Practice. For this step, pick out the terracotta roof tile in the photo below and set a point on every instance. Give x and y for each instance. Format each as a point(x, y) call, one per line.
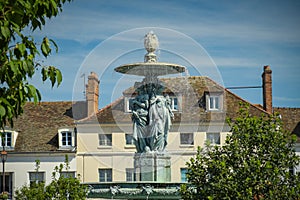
point(193, 90)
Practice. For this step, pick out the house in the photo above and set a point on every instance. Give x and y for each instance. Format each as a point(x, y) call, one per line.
point(99, 143)
point(46, 133)
point(105, 151)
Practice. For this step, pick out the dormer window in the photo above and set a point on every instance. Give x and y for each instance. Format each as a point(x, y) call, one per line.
point(174, 103)
point(8, 139)
point(214, 102)
point(66, 138)
point(128, 103)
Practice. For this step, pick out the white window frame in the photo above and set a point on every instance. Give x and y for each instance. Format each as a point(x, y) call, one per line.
point(66, 138)
point(130, 175)
point(132, 141)
point(214, 101)
point(13, 138)
point(175, 107)
point(60, 138)
point(43, 175)
point(175, 98)
point(210, 135)
point(182, 143)
point(106, 172)
point(127, 104)
point(105, 139)
point(68, 174)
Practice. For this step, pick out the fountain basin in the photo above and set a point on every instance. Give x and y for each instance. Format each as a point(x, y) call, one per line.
point(150, 69)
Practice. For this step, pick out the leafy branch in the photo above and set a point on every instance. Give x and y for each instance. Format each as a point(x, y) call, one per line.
point(18, 53)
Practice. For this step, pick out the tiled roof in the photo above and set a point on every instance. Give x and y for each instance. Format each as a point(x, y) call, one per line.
point(193, 90)
point(37, 127)
point(290, 119)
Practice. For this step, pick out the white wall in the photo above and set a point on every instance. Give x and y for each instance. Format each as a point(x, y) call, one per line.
point(21, 164)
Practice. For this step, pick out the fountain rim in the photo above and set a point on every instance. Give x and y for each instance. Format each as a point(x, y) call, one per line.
point(154, 68)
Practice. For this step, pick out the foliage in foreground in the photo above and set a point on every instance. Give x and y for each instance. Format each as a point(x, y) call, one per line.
point(62, 187)
point(253, 163)
point(19, 52)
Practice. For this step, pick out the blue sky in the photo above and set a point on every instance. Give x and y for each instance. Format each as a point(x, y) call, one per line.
point(239, 37)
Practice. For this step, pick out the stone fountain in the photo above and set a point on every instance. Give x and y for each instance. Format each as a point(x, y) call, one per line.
point(151, 114)
point(152, 119)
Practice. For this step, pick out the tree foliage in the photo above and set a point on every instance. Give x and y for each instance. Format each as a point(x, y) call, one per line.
point(253, 163)
point(18, 53)
point(61, 187)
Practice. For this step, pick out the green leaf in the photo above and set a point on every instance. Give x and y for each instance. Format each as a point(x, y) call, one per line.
point(5, 32)
point(58, 77)
point(44, 74)
point(14, 67)
point(45, 47)
point(2, 111)
point(34, 93)
point(22, 48)
point(52, 76)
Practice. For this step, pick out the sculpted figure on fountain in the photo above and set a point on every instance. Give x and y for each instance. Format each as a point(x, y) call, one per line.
point(151, 116)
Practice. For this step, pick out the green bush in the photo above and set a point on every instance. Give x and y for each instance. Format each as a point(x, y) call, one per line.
point(254, 163)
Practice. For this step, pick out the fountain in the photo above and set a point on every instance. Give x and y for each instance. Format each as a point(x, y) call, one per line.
point(151, 114)
point(151, 117)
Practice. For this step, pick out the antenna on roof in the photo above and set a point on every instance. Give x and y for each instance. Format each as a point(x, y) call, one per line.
point(84, 88)
point(244, 87)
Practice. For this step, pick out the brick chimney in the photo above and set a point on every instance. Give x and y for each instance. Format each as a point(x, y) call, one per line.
point(92, 93)
point(267, 89)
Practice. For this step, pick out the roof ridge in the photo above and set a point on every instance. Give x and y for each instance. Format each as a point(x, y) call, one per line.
point(109, 105)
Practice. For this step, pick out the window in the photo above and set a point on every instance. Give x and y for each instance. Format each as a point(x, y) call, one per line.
point(183, 172)
point(295, 170)
point(66, 138)
point(36, 177)
point(105, 175)
point(174, 102)
point(6, 137)
point(128, 103)
point(213, 138)
point(187, 138)
point(129, 139)
point(68, 174)
point(105, 139)
point(8, 184)
point(214, 102)
point(130, 175)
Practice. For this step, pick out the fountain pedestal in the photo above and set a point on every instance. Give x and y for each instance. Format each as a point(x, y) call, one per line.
point(152, 167)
